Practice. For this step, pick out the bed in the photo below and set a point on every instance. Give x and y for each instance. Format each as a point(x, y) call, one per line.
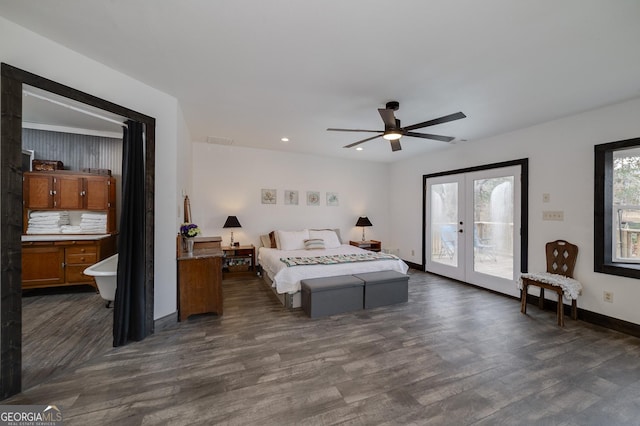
point(285, 280)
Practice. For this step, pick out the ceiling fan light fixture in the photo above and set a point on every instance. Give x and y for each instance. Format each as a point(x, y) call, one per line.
point(392, 135)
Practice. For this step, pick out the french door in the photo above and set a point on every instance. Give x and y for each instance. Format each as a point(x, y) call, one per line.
point(472, 230)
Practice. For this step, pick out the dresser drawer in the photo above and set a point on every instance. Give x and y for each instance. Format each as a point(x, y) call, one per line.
point(74, 275)
point(83, 259)
point(84, 249)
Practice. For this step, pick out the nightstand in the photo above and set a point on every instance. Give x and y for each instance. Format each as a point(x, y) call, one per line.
point(239, 261)
point(371, 245)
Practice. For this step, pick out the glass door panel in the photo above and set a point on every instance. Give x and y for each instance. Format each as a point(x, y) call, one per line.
point(473, 228)
point(444, 219)
point(444, 237)
point(493, 226)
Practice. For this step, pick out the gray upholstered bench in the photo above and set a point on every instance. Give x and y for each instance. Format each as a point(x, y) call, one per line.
point(332, 295)
point(384, 288)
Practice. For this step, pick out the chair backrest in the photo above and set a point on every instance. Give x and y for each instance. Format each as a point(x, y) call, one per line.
point(561, 257)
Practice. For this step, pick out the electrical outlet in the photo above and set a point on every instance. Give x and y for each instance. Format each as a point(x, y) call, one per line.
point(546, 198)
point(607, 296)
point(553, 215)
point(413, 252)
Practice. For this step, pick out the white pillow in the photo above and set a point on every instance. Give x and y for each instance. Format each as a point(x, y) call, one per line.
point(330, 238)
point(292, 240)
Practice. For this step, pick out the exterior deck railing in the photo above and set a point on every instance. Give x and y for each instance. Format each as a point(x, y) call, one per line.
point(487, 231)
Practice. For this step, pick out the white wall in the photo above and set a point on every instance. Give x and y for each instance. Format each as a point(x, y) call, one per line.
point(561, 163)
point(228, 180)
point(185, 165)
point(29, 51)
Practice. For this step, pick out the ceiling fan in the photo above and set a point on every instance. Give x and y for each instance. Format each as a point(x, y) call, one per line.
point(393, 131)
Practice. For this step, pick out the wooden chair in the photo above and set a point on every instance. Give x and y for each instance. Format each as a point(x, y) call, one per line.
point(561, 260)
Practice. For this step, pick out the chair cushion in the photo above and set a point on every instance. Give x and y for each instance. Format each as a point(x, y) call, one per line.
point(570, 288)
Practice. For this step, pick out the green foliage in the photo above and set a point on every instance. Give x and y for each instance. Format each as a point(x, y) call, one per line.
point(626, 181)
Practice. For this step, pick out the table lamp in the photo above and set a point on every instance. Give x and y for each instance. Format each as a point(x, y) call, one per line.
point(232, 222)
point(363, 221)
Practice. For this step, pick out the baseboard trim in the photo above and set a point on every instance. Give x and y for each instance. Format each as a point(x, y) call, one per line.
point(165, 322)
point(595, 318)
point(414, 265)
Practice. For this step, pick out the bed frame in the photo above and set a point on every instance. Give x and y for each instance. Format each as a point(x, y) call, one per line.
point(288, 300)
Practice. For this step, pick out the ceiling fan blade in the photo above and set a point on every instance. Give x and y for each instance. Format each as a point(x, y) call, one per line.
point(363, 140)
point(395, 145)
point(353, 130)
point(388, 117)
point(445, 119)
point(428, 136)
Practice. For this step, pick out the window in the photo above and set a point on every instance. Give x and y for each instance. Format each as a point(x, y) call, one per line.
point(617, 208)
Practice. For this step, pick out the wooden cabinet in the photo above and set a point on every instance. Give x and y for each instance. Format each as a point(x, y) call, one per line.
point(371, 245)
point(42, 265)
point(37, 191)
point(61, 263)
point(64, 190)
point(199, 284)
point(99, 192)
point(68, 192)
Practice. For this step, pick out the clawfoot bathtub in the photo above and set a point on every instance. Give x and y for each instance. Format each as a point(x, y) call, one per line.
point(105, 273)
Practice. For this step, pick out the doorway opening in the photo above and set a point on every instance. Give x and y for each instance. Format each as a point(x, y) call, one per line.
point(12, 84)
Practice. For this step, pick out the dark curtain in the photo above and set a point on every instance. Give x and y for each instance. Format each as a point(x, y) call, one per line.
point(129, 306)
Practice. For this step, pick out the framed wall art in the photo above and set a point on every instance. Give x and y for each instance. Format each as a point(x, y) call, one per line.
point(313, 198)
point(291, 197)
point(269, 196)
point(332, 199)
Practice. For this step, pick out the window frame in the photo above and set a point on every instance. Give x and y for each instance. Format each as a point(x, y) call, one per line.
point(603, 211)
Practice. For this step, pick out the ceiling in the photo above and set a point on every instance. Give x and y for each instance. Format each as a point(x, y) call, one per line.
point(55, 112)
point(257, 71)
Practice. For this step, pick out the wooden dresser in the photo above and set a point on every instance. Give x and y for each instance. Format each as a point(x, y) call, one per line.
point(200, 278)
point(54, 261)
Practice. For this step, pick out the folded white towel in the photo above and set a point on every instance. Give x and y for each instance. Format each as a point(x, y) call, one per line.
point(70, 229)
point(93, 215)
point(43, 231)
point(49, 213)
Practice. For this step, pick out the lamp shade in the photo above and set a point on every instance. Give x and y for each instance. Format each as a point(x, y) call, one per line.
point(232, 222)
point(363, 221)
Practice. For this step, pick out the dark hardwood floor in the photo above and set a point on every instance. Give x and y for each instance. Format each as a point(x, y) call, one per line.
point(62, 328)
point(453, 354)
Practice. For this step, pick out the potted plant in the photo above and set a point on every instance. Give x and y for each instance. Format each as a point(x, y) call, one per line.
point(188, 232)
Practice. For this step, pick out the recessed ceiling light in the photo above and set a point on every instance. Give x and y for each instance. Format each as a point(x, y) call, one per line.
point(359, 148)
point(284, 139)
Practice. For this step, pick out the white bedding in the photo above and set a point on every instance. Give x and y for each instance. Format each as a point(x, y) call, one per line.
point(287, 279)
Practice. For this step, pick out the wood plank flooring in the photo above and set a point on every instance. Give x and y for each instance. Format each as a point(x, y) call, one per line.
point(452, 355)
point(62, 328)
